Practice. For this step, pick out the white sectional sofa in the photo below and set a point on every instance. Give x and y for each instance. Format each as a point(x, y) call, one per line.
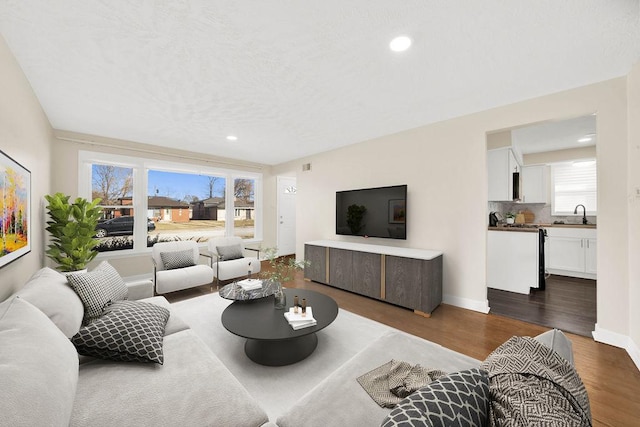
point(46, 383)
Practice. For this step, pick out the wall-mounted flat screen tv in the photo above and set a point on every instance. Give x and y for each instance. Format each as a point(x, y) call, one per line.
point(372, 212)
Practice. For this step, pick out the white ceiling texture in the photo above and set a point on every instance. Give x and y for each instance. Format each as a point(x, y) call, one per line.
point(294, 78)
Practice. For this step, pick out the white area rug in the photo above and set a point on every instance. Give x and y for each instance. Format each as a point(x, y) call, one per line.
point(278, 388)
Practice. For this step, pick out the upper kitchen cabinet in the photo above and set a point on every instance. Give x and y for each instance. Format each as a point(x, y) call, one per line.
point(535, 184)
point(501, 165)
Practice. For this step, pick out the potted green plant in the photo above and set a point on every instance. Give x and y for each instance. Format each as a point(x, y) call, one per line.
point(511, 217)
point(281, 270)
point(72, 227)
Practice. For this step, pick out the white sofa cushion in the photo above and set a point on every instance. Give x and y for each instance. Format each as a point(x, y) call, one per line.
point(193, 388)
point(50, 292)
point(38, 368)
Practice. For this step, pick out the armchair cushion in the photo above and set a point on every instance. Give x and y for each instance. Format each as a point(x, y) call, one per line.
point(127, 331)
point(230, 252)
point(98, 288)
point(177, 259)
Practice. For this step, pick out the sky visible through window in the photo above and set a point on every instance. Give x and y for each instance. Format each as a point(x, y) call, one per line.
point(184, 186)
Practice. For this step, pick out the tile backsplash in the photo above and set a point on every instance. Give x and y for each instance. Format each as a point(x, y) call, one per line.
point(542, 212)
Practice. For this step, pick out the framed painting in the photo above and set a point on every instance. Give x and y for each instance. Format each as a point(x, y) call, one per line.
point(397, 211)
point(15, 210)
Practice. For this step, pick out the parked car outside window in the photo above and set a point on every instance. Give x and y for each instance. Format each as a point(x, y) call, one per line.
point(120, 225)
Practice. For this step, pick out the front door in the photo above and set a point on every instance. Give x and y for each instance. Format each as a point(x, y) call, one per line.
point(286, 215)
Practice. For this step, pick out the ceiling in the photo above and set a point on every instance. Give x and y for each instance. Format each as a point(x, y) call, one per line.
point(555, 135)
point(295, 78)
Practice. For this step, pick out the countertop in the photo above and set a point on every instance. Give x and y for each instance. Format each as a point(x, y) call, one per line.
point(530, 229)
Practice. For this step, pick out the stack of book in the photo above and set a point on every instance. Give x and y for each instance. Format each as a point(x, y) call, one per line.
point(250, 284)
point(298, 320)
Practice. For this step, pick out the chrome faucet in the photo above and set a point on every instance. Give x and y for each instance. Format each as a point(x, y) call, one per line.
point(584, 213)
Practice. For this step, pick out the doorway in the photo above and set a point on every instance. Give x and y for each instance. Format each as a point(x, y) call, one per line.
point(286, 229)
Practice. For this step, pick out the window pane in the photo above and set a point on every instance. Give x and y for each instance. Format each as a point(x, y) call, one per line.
point(574, 184)
point(185, 206)
point(114, 186)
point(244, 208)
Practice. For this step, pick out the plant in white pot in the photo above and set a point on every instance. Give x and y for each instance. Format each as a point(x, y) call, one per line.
point(72, 227)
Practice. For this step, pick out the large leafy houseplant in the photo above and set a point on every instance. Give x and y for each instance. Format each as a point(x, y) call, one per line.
point(72, 227)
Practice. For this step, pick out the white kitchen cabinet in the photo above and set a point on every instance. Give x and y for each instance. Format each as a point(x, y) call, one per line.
point(501, 164)
point(512, 260)
point(591, 261)
point(535, 184)
point(571, 251)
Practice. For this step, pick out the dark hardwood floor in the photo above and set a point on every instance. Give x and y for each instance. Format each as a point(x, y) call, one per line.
point(610, 376)
point(567, 303)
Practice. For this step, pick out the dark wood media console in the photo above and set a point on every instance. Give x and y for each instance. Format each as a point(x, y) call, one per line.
point(410, 278)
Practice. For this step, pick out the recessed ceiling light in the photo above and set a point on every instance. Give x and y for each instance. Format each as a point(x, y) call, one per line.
point(232, 138)
point(400, 44)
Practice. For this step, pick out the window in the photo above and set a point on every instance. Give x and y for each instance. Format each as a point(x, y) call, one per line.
point(146, 201)
point(187, 206)
point(574, 184)
point(244, 204)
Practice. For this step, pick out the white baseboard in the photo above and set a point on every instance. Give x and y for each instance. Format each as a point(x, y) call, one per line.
point(469, 304)
point(618, 340)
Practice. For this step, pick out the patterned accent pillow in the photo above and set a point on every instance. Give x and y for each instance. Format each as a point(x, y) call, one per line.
point(227, 253)
point(177, 259)
point(458, 399)
point(97, 289)
point(130, 331)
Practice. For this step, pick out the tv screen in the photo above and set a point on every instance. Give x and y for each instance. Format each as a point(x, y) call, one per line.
point(372, 212)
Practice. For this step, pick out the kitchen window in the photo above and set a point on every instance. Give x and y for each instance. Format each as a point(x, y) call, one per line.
point(572, 184)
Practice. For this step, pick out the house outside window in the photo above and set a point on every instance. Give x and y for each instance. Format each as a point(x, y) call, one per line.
point(169, 201)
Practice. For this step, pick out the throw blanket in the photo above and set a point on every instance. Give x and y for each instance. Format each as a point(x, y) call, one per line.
point(530, 384)
point(390, 383)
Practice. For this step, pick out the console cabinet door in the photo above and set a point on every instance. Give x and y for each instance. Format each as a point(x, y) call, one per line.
point(403, 280)
point(341, 268)
point(317, 257)
point(367, 274)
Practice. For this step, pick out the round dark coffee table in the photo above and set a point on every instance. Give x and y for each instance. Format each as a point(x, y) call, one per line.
point(271, 340)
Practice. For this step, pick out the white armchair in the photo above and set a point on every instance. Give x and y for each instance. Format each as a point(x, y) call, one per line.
point(228, 259)
point(175, 267)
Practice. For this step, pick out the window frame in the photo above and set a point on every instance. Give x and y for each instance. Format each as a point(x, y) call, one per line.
point(141, 166)
point(554, 211)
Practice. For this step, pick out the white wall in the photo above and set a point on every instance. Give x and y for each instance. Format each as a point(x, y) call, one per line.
point(633, 93)
point(25, 135)
point(444, 165)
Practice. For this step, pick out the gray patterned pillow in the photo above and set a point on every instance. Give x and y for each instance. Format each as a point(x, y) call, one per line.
point(177, 259)
point(227, 253)
point(456, 400)
point(130, 331)
point(97, 289)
